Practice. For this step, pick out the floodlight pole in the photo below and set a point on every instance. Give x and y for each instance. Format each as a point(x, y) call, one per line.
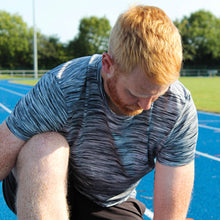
point(35, 44)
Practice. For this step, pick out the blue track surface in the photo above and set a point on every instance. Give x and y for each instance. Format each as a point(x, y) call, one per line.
point(205, 202)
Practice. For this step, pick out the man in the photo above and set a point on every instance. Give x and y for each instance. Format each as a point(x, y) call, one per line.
point(94, 126)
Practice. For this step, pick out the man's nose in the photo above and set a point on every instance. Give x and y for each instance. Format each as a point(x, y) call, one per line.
point(145, 103)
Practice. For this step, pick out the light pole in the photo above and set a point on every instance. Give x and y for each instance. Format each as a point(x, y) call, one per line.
point(35, 44)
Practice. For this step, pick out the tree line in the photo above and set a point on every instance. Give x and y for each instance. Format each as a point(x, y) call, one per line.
point(200, 36)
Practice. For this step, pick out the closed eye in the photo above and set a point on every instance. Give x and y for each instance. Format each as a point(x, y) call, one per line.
point(131, 95)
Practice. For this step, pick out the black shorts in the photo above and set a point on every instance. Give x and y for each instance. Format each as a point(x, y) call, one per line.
point(82, 208)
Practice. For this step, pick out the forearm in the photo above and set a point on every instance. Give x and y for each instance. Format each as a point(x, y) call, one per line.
point(172, 192)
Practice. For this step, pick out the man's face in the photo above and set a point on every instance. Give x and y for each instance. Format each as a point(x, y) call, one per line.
point(130, 94)
point(118, 103)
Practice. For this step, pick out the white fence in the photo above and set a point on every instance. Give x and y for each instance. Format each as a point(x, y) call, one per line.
point(184, 72)
point(22, 73)
point(200, 72)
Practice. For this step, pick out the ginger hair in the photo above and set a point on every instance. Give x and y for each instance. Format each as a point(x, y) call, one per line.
point(145, 37)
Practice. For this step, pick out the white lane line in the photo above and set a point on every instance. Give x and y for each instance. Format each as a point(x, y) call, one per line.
point(5, 108)
point(208, 156)
point(11, 91)
point(207, 121)
point(209, 113)
point(149, 213)
point(209, 127)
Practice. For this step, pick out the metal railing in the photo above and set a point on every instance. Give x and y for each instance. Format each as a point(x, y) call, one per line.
point(184, 72)
point(200, 72)
point(22, 73)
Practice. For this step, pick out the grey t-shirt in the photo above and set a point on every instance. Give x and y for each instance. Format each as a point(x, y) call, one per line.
point(109, 153)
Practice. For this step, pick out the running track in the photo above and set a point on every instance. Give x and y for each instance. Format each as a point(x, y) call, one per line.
point(205, 202)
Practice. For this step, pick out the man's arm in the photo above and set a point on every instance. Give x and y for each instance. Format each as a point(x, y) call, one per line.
point(172, 191)
point(10, 146)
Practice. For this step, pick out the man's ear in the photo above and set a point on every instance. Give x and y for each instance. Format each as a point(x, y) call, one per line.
point(107, 64)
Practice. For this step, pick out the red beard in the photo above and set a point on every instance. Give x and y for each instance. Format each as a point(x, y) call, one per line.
point(116, 103)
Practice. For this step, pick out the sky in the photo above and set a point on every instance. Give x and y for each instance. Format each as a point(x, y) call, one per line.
point(61, 18)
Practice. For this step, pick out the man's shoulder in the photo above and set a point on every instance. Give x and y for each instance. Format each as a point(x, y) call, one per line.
point(75, 68)
point(71, 69)
point(72, 72)
point(179, 90)
point(174, 103)
point(175, 98)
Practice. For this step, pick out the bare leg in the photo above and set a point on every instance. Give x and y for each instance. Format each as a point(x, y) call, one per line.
point(41, 172)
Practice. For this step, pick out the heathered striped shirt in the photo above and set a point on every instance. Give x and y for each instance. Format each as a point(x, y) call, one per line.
point(109, 153)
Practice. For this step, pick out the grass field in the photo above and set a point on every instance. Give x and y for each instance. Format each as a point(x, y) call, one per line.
point(205, 91)
point(26, 82)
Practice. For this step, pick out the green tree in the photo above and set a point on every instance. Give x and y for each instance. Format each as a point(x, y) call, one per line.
point(50, 52)
point(92, 38)
point(14, 41)
point(16, 45)
point(200, 35)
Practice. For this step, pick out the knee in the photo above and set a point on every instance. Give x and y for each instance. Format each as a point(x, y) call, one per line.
point(44, 151)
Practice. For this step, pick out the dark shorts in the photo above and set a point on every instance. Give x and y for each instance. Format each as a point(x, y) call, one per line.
point(82, 208)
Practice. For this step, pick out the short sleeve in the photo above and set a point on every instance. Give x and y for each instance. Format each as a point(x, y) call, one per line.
point(179, 147)
point(42, 109)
